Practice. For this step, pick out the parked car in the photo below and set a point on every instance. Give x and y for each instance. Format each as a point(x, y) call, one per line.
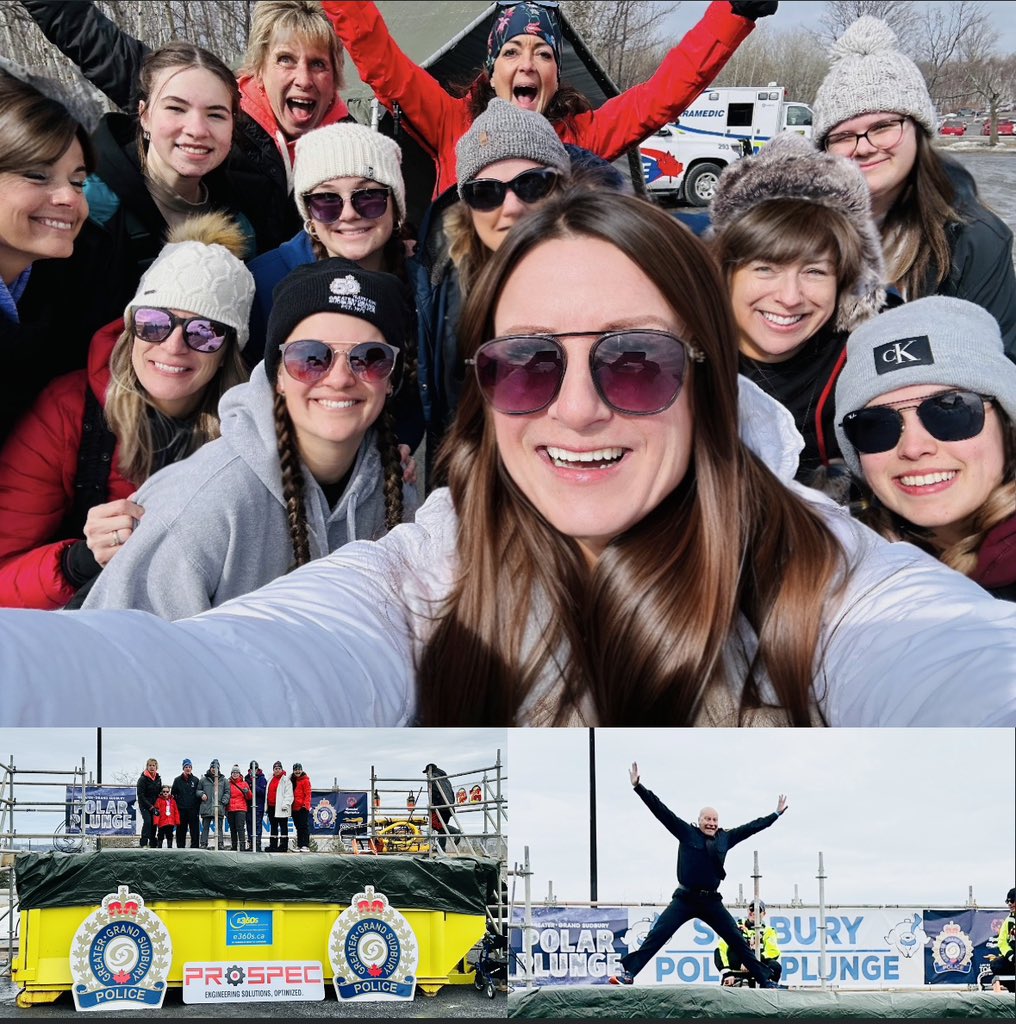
point(1006, 126)
point(953, 128)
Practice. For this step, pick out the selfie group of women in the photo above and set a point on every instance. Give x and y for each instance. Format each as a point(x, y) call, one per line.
point(762, 477)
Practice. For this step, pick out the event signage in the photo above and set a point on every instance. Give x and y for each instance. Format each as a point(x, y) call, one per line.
point(249, 928)
point(250, 980)
point(108, 810)
point(120, 956)
point(373, 951)
point(865, 947)
point(338, 812)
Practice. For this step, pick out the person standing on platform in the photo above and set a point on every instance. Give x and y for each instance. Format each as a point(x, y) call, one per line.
point(165, 818)
point(186, 793)
point(214, 791)
point(703, 848)
point(255, 779)
point(280, 804)
point(148, 788)
point(237, 803)
point(726, 959)
point(301, 807)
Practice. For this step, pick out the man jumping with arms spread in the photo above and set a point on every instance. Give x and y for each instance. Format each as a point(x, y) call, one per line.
point(700, 857)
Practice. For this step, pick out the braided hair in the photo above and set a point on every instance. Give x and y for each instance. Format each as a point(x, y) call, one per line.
point(391, 463)
point(292, 483)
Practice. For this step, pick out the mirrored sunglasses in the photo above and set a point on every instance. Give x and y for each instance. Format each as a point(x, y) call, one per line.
point(947, 416)
point(636, 373)
point(153, 324)
point(326, 207)
point(309, 361)
point(530, 186)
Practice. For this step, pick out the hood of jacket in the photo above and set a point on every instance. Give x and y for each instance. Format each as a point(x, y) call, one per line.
point(247, 422)
point(101, 348)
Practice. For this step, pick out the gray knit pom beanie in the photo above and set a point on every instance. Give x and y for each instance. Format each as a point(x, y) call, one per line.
point(790, 167)
point(934, 340)
point(870, 74)
point(507, 132)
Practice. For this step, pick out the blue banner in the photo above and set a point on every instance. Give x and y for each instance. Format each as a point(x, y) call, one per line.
point(570, 945)
point(959, 943)
point(108, 810)
point(352, 812)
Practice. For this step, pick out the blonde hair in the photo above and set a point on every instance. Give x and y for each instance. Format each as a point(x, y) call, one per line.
point(302, 18)
point(467, 252)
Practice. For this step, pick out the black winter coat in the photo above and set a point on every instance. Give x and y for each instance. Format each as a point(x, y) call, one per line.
point(148, 791)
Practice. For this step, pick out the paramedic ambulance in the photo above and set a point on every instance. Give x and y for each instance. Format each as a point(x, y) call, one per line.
point(683, 160)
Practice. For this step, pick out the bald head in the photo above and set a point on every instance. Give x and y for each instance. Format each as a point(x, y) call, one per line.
point(708, 820)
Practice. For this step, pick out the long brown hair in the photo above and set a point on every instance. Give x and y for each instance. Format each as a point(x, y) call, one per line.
point(915, 231)
point(640, 637)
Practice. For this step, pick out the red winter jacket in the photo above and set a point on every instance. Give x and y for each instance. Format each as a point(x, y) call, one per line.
point(38, 465)
point(239, 795)
point(166, 812)
point(301, 792)
point(438, 120)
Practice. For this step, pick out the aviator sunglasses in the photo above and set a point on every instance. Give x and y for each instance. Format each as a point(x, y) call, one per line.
point(326, 207)
point(309, 361)
point(153, 324)
point(637, 373)
point(947, 416)
point(530, 186)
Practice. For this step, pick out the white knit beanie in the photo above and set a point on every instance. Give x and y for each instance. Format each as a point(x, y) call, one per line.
point(206, 280)
point(347, 150)
point(869, 74)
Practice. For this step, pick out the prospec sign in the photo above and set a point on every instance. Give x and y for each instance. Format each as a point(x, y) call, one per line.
point(866, 947)
point(248, 980)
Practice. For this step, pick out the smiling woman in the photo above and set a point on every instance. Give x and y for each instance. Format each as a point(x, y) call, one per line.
point(620, 543)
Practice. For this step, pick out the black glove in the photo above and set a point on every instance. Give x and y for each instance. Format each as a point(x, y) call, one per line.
point(754, 9)
point(78, 564)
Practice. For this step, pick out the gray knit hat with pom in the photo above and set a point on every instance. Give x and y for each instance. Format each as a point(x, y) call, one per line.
point(507, 132)
point(790, 167)
point(870, 74)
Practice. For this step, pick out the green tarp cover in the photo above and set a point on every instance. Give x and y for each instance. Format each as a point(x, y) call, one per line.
point(582, 1002)
point(461, 885)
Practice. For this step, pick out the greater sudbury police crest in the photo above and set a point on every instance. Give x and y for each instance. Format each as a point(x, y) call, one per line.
point(373, 950)
point(325, 815)
point(120, 955)
point(952, 950)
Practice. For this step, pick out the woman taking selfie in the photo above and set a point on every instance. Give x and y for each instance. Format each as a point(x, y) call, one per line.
point(928, 403)
point(620, 543)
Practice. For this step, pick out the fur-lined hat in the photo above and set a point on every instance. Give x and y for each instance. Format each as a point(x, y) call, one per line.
point(790, 167)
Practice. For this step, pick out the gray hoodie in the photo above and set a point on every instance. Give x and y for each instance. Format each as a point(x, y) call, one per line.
point(215, 524)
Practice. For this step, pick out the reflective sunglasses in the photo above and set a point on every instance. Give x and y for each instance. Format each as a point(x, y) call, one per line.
point(882, 136)
point(326, 207)
point(530, 186)
point(948, 416)
point(636, 373)
point(309, 361)
point(153, 324)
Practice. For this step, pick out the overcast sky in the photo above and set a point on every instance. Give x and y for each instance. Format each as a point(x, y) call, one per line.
point(901, 815)
point(326, 754)
point(808, 14)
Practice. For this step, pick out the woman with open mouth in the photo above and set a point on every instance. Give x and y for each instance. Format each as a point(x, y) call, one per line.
point(149, 397)
point(793, 233)
point(928, 403)
point(523, 66)
point(874, 108)
point(621, 542)
point(307, 460)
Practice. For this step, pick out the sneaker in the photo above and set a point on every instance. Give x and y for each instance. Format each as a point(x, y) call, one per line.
point(304, 849)
point(624, 978)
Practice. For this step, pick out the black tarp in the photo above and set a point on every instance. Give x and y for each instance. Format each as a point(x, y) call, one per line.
point(460, 885)
point(669, 1002)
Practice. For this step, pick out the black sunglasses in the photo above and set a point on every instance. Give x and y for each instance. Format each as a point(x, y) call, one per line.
point(636, 373)
point(326, 207)
point(530, 186)
point(947, 416)
point(153, 325)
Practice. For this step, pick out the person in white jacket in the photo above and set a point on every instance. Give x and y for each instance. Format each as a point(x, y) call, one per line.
point(620, 543)
point(307, 460)
point(279, 804)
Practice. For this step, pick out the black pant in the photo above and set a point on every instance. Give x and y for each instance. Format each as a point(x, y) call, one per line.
point(684, 906)
point(301, 821)
point(279, 840)
point(165, 834)
point(148, 827)
point(188, 822)
point(734, 964)
point(236, 829)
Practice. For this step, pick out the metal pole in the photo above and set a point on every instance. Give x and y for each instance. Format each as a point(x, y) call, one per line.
point(821, 921)
point(527, 921)
point(756, 941)
point(593, 887)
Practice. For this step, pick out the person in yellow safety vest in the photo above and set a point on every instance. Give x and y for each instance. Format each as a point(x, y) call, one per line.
point(1004, 964)
point(769, 952)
